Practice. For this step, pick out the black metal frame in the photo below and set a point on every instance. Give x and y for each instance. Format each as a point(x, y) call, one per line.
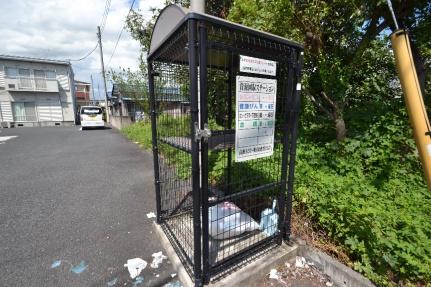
point(193, 44)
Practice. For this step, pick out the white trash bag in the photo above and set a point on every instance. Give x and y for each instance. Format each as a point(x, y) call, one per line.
point(227, 220)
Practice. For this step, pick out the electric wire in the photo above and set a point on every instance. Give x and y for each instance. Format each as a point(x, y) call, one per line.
point(119, 35)
point(105, 15)
point(102, 24)
point(86, 56)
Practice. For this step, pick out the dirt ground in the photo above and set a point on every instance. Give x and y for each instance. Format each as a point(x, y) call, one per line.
point(297, 273)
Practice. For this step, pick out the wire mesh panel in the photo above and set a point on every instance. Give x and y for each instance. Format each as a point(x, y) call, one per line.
point(246, 199)
point(222, 134)
point(172, 142)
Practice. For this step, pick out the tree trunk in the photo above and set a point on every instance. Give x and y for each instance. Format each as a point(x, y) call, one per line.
point(340, 128)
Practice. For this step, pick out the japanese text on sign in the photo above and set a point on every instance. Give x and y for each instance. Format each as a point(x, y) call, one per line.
point(257, 66)
point(255, 117)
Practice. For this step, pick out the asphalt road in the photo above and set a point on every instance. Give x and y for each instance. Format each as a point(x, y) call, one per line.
point(71, 198)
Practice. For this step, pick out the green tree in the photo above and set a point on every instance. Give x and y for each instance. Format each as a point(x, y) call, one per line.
point(132, 84)
point(336, 34)
point(362, 190)
point(141, 30)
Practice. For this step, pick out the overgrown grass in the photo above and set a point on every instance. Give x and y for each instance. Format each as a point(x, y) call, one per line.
point(139, 132)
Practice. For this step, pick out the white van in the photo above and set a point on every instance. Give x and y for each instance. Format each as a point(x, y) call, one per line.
point(91, 116)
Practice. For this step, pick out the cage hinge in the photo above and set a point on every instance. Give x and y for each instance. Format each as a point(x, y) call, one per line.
point(202, 134)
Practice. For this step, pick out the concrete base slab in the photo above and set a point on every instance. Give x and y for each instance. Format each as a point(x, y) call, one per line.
point(245, 276)
point(339, 273)
point(251, 273)
point(173, 257)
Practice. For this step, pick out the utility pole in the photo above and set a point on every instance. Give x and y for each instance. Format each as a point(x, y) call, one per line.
point(412, 95)
point(99, 36)
point(197, 5)
point(92, 87)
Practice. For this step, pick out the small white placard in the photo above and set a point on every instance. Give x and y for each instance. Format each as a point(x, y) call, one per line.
point(257, 66)
point(255, 117)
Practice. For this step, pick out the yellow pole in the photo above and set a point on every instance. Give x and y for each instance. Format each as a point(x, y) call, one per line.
point(413, 98)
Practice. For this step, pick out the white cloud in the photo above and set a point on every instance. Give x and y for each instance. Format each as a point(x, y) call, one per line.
point(64, 29)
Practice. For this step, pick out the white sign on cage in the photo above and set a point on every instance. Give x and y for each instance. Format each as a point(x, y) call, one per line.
point(257, 66)
point(255, 117)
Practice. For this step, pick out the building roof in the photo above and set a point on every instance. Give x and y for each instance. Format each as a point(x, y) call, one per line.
point(36, 60)
point(81, 83)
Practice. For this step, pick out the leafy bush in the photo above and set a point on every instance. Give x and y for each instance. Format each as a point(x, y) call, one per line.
point(369, 194)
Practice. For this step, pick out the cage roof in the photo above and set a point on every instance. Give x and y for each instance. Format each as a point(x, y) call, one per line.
point(172, 16)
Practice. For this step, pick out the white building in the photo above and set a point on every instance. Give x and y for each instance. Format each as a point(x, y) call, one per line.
point(36, 92)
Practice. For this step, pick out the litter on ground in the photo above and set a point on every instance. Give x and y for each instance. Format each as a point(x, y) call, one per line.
point(78, 269)
point(273, 274)
point(173, 284)
point(289, 275)
point(300, 262)
point(112, 282)
point(135, 266)
point(138, 281)
point(56, 264)
point(157, 259)
point(151, 215)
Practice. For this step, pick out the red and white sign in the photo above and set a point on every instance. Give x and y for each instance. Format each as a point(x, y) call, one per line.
point(257, 66)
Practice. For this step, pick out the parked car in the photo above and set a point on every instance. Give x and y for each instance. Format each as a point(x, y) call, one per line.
point(91, 116)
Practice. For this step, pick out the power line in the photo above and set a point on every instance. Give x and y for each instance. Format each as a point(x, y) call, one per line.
point(86, 56)
point(105, 15)
point(119, 35)
point(103, 23)
point(105, 12)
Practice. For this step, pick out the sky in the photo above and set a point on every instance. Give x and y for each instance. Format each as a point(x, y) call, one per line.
point(65, 29)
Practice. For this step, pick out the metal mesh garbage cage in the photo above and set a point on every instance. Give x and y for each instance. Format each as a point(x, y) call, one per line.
point(225, 101)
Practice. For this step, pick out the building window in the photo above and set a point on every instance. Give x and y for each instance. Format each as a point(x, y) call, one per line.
point(24, 78)
point(39, 74)
point(24, 111)
point(81, 88)
point(11, 72)
point(50, 74)
point(39, 79)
